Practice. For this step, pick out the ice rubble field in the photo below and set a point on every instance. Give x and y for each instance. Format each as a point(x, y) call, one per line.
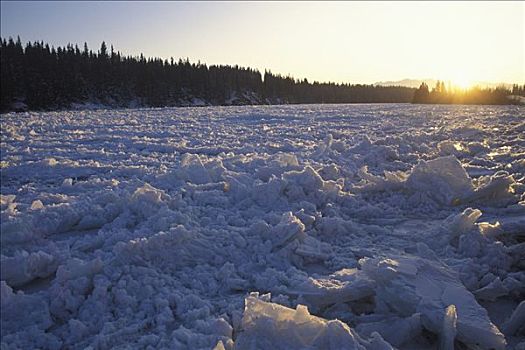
point(285, 227)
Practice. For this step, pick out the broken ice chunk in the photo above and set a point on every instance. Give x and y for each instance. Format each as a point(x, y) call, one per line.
point(516, 320)
point(449, 147)
point(498, 190)
point(267, 325)
point(492, 291)
point(75, 268)
point(193, 170)
point(458, 224)
point(37, 205)
point(403, 332)
point(146, 200)
point(312, 249)
point(24, 267)
point(444, 179)
point(343, 286)
point(448, 332)
point(490, 230)
point(288, 229)
point(21, 311)
point(410, 284)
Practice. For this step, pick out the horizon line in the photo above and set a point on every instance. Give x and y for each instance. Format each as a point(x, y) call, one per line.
point(287, 75)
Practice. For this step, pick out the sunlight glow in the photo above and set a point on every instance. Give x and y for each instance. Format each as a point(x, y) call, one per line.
point(462, 82)
point(364, 42)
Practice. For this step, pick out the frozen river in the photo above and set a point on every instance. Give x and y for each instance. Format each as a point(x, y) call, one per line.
point(268, 227)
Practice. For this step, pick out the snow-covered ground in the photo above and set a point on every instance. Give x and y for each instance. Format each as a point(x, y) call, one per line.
point(282, 227)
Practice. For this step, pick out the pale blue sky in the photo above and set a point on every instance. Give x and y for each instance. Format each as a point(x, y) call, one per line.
point(337, 41)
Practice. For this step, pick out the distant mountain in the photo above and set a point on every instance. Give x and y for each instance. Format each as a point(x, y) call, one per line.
point(415, 83)
point(485, 84)
point(412, 83)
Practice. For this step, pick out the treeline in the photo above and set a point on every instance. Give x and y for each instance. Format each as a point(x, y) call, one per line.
point(36, 76)
point(474, 95)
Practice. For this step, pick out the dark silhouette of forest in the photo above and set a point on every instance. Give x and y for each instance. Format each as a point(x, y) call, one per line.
point(474, 95)
point(36, 76)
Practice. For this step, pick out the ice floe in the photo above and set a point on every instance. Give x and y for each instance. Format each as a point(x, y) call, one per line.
point(306, 226)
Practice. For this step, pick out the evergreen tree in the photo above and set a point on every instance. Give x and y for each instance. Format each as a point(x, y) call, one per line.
point(421, 95)
point(103, 51)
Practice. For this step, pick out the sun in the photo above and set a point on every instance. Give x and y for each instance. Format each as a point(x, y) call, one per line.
point(462, 82)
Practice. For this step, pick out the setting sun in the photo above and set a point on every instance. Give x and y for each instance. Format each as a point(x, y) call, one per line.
point(462, 82)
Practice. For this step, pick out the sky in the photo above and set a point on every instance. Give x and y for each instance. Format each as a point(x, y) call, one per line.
point(354, 42)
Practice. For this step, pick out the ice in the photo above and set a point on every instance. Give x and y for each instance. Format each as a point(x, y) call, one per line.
point(459, 224)
point(497, 189)
point(309, 185)
point(36, 205)
point(449, 147)
point(313, 250)
point(288, 229)
point(267, 325)
point(409, 285)
point(443, 179)
point(8, 202)
point(448, 332)
point(76, 268)
point(148, 228)
point(344, 286)
point(403, 333)
point(147, 200)
point(25, 319)
point(492, 291)
point(516, 320)
point(25, 267)
point(193, 170)
point(490, 230)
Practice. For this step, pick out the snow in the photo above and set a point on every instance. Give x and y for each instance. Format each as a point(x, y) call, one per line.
point(269, 227)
